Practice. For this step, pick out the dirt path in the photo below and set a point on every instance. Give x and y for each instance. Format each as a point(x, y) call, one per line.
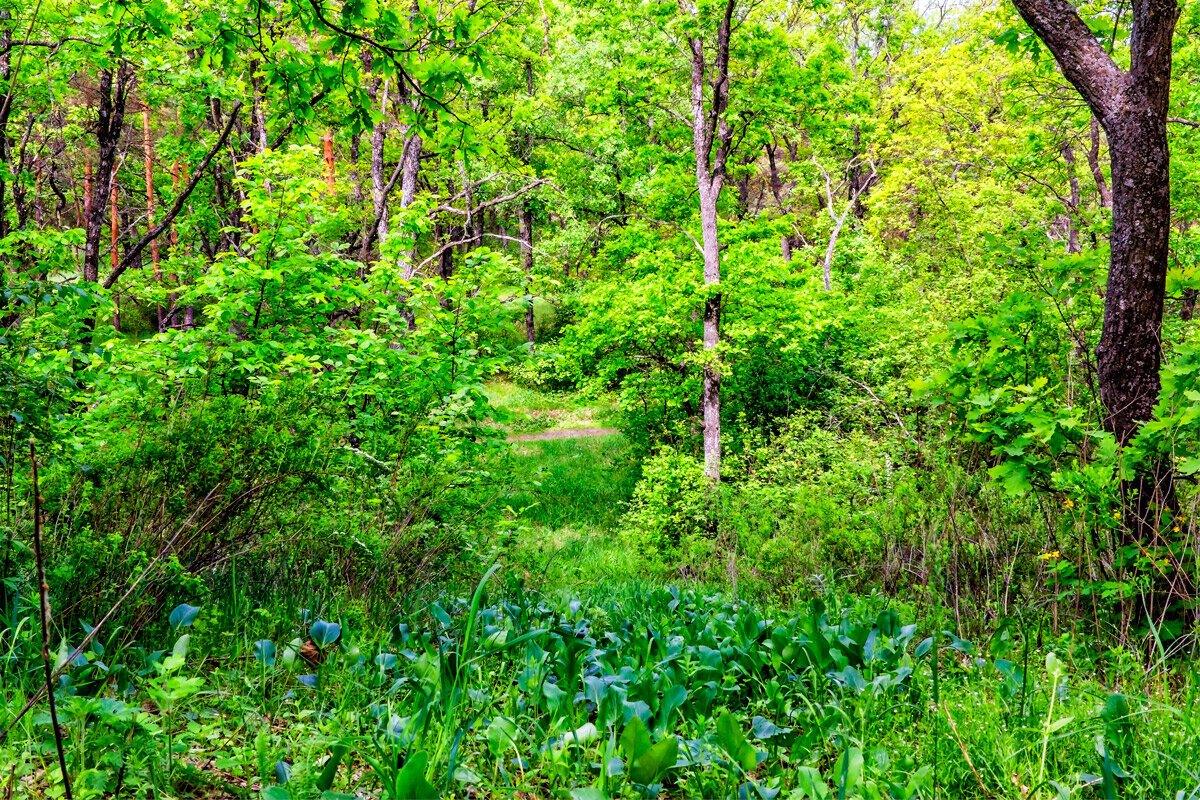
point(564, 433)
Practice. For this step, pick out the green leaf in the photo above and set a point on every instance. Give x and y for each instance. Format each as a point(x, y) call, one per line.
point(264, 651)
point(324, 633)
point(1059, 724)
point(809, 784)
point(183, 615)
point(588, 793)
point(730, 737)
point(411, 783)
point(651, 765)
point(329, 771)
point(501, 734)
point(635, 740)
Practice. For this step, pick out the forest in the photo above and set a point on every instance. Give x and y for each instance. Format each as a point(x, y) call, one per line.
point(758, 399)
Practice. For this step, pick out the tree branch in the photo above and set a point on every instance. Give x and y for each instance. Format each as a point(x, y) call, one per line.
point(157, 230)
point(1081, 57)
point(497, 201)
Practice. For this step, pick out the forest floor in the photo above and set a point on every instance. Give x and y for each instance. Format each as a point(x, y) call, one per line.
point(526, 411)
point(563, 433)
point(573, 476)
point(584, 661)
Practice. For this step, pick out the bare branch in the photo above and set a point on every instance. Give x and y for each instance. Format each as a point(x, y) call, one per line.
point(497, 201)
point(157, 230)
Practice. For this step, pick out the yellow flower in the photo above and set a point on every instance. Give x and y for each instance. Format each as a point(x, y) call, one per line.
point(1069, 503)
point(1050, 555)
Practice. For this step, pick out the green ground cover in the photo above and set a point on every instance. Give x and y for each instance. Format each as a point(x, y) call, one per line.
point(567, 674)
point(526, 410)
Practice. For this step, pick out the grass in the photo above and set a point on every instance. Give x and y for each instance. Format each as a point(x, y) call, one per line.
point(572, 483)
point(572, 493)
point(534, 411)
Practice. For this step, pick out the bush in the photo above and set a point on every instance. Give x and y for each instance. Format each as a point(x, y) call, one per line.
point(670, 510)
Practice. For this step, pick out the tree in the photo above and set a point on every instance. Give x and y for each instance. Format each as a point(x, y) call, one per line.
point(710, 129)
point(1132, 106)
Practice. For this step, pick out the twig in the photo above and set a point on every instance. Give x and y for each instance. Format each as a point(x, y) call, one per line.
point(87, 640)
point(44, 598)
point(450, 245)
point(157, 230)
point(1191, 123)
point(963, 748)
point(875, 397)
point(660, 223)
point(499, 200)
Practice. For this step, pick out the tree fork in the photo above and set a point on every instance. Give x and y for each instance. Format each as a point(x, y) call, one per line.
point(1132, 107)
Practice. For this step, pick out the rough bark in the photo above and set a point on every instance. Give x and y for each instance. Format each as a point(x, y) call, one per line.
point(411, 167)
point(710, 130)
point(1132, 108)
point(110, 119)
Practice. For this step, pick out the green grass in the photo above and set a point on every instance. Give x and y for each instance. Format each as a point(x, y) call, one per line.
point(572, 493)
point(534, 411)
point(572, 483)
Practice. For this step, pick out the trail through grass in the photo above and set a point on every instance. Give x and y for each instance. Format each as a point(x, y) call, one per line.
point(572, 493)
point(534, 411)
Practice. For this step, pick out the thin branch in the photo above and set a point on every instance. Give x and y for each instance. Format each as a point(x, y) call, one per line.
point(318, 97)
point(499, 200)
point(44, 601)
point(657, 222)
point(1191, 123)
point(157, 230)
point(52, 45)
point(876, 398)
point(450, 245)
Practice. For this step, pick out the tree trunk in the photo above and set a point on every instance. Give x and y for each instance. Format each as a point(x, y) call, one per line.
point(1132, 107)
point(527, 258)
point(527, 224)
point(1068, 155)
point(110, 120)
point(114, 234)
point(6, 79)
point(411, 156)
point(710, 127)
point(148, 159)
point(259, 112)
point(330, 169)
point(378, 178)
